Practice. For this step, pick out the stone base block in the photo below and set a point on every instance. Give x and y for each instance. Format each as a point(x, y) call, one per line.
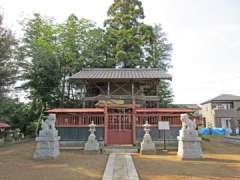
point(147, 145)
point(147, 148)
point(91, 147)
point(45, 153)
point(46, 149)
point(189, 148)
point(147, 152)
point(92, 144)
point(2, 141)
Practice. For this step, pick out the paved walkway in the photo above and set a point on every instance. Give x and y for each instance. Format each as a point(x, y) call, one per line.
point(120, 167)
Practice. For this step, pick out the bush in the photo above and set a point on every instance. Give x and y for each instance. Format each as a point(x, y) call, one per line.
point(18, 115)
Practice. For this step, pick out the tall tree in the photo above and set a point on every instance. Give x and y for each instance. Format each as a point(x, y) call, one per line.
point(7, 65)
point(78, 45)
point(51, 52)
point(37, 57)
point(126, 35)
point(159, 50)
point(160, 57)
point(131, 43)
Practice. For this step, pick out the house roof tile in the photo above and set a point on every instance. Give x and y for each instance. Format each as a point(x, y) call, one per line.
point(224, 97)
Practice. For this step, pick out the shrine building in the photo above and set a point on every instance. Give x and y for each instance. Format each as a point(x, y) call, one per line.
point(119, 102)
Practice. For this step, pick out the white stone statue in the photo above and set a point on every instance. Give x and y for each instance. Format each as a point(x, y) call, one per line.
point(92, 127)
point(48, 126)
point(187, 123)
point(48, 140)
point(147, 145)
point(189, 144)
point(146, 127)
point(92, 143)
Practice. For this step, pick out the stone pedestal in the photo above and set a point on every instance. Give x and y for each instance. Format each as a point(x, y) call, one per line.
point(9, 137)
point(92, 144)
point(2, 140)
point(147, 145)
point(48, 141)
point(189, 144)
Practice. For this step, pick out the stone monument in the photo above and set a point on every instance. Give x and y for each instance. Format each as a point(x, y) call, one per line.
point(147, 145)
point(189, 144)
point(48, 140)
point(92, 143)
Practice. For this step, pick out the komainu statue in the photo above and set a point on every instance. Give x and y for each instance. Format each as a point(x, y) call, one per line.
point(187, 123)
point(189, 144)
point(48, 140)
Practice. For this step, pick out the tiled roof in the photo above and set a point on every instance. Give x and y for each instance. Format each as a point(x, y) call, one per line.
point(189, 106)
point(101, 110)
point(4, 125)
point(124, 73)
point(164, 110)
point(224, 97)
point(76, 110)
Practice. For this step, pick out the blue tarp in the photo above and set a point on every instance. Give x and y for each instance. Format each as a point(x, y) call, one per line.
point(213, 131)
point(204, 131)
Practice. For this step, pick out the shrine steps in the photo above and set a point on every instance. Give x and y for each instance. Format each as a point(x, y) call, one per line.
point(120, 149)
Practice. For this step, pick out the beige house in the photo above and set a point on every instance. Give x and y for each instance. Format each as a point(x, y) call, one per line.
point(222, 111)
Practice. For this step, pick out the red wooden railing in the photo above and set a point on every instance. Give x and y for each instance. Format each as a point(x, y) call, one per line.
point(79, 119)
point(174, 119)
point(83, 119)
point(118, 121)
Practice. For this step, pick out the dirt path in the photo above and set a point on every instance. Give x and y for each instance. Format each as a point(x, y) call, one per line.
point(16, 163)
point(221, 161)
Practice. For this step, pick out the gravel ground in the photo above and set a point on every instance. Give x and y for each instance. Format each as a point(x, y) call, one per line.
point(221, 161)
point(16, 163)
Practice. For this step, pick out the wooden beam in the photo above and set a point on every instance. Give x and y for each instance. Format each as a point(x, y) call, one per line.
point(121, 87)
point(134, 115)
point(105, 124)
point(133, 90)
point(157, 92)
point(108, 89)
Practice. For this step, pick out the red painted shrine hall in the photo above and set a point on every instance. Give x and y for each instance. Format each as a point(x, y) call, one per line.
point(119, 102)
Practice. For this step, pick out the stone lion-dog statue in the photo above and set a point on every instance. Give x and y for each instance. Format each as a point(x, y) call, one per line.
point(187, 123)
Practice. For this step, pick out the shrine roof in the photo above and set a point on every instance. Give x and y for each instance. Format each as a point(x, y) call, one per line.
point(164, 110)
point(4, 125)
point(138, 110)
point(123, 73)
point(76, 110)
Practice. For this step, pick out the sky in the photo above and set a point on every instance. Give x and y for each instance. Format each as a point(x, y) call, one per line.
point(205, 35)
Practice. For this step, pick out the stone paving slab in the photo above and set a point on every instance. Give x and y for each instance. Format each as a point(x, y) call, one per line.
point(120, 167)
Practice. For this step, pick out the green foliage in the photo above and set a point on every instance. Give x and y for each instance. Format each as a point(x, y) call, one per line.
point(159, 50)
point(160, 57)
point(18, 115)
point(131, 43)
point(50, 53)
point(165, 94)
point(37, 58)
point(62, 49)
point(7, 65)
point(126, 37)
